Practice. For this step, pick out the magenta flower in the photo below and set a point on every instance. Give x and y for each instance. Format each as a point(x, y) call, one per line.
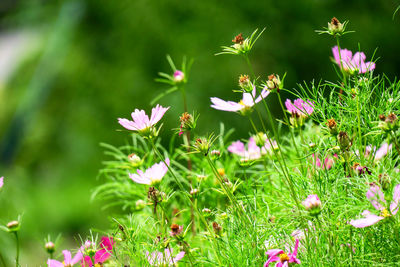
point(68, 260)
point(377, 199)
point(1, 181)
point(141, 121)
point(178, 76)
point(102, 254)
point(253, 151)
point(299, 107)
point(161, 259)
point(352, 63)
point(152, 175)
point(244, 105)
point(283, 259)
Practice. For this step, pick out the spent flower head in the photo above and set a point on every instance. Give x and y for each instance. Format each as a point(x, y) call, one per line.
point(335, 28)
point(241, 46)
point(274, 83)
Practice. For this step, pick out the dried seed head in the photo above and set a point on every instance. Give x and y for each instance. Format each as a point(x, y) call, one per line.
point(332, 125)
point(382, 117)
point(176, 229)
point(217, 228)
point(335, 27)
point(238, 39)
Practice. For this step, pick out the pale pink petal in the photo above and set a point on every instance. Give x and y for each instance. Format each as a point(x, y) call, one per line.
point(248, 99)
point(376, 197)
point(1, 182)
point(367, 221)
point(67, 257)
point(290, 107)
point(237, 148)
point(336, 56)
point(140, 119)
point(78, 257)
point(157, 113)
point(54, 263)
point(179, 256)
point(394, 206)
point(224, 105)
point(382, 151)
point(139, 179)
point(127, 124)
point(264, 94)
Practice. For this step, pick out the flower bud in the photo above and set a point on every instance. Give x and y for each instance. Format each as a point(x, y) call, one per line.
point(202, 145)
point(335, 27)
point(50, 247)
point(194, 191)
point(140, 204)
point(344, 141)
point(134, 159)
point(385, 181)
point(13, 226)
point(179, 76)
point(215, 154)
point(260, 139)
point(313, 204)
point(332, 126)
point(206, 210)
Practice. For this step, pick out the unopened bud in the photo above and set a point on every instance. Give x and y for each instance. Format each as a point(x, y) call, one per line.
point(274, 83)
point(13, 226)
point(215, 154)
point(313, 204)
point(217, 228)
point(194, 191)
point(260, 139)
point(50, 247)
point(134, 159)
point(140, 204)
point(179, 76)
point(245, 83)
point(344, 141)
point(385, 181)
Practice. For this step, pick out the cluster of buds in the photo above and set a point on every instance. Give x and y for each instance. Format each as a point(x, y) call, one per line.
point(389, 122)
point(274, 83)
point(344, 141)
point(245, 83)
point(313, 205)
point(332, 126)
point(335, 27)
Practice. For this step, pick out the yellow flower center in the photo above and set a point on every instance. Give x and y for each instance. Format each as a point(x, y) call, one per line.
point(241, 103)
point(284, 257)
point(385, 213)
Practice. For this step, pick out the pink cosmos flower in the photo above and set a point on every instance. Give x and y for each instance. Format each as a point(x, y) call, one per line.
point(300, 107)
point(377, 199)
point(152, 175)
point(178, 76)
point(283, 259)
point(102, 254)
point(1, 181)
point(161, 259)
point(253, 151)
point(141, 121)
point(380, 153)
point(244, 105)
point(68, 260)
point(350, 62)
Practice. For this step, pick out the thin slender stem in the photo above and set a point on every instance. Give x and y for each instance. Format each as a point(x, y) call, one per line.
point(17, 244)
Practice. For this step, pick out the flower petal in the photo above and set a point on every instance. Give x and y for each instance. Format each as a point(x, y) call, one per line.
point(367, 221)
point(225, 105)
point(376, 197)
point(394, 206)
point(157, 113)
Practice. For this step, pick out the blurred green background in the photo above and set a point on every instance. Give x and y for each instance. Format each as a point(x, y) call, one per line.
point(69, 69)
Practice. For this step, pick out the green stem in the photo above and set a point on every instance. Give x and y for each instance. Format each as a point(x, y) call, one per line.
point(341, 63)
point(17, 244)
